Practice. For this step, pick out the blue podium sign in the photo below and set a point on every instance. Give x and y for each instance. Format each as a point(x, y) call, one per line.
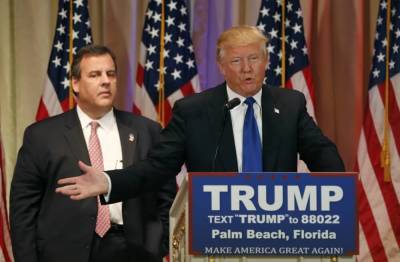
point(273, 214)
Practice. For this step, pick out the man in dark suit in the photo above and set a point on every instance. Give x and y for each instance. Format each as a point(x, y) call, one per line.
point(49, 227)
point(207, 136)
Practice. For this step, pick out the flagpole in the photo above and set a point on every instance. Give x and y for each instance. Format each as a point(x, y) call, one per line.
point(385, 154)
point(161, 91)
point(71, 53)
point(283, 75)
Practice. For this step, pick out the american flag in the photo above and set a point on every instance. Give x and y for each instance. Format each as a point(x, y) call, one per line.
point(180, 71)
point(379, 209)
point(5, 240)
point(56, 95)
point(296, 70)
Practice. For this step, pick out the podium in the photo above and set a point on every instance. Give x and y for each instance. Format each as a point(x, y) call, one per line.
point(179, 238)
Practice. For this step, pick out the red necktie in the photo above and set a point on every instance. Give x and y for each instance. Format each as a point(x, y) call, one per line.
point(96, 158)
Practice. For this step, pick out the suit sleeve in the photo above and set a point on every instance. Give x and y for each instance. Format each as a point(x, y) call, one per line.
point(165, 198)
point(163, 163)
point(27, 189)
point(316, 150)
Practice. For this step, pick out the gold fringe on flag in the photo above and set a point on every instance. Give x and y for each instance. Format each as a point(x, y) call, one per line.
point(71, 53)
point(385, 154)
point(283, 72)
point(161, 91)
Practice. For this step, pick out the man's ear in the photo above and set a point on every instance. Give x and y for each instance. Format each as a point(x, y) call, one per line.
point(75, 85)
point(221, 68)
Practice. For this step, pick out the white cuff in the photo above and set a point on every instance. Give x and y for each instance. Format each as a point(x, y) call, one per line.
point(107, 195)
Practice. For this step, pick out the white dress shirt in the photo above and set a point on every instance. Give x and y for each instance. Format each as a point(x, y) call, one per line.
point(237, 117)
point(110, 147)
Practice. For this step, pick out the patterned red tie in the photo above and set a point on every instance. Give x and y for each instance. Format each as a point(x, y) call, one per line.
point(96, 158)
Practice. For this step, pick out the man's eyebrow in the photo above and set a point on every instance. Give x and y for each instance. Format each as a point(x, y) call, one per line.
point(94, 71)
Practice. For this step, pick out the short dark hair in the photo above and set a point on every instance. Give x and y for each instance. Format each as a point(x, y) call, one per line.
point(90, 50)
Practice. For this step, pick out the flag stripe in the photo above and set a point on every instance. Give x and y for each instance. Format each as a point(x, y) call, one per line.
point(376, 117)
point(178, 94)
point(187, 89)
point(395, 84)
point(289, 84)
point(372, 183)
point(369, 226)
point(42, 112)
point(139, 76)
point(50, 99)
point(302, 86)
point(308, 79)
point(366, 215)
point(364, 251)
point(195, 83)
point(5, 239)
point(301, 83)
point(389, 195)
point(394, 115)
point(144, 104)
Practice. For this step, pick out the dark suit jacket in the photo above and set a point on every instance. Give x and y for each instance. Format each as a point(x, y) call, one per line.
point(193, 132)
point(49, 227)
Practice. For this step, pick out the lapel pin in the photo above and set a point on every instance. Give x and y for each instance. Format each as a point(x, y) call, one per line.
point(276, 110)
point(131, 138)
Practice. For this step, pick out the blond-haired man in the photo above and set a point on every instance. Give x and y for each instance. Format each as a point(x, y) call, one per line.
point(207, 132)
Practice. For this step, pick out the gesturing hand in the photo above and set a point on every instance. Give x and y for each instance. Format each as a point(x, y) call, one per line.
point(91, 183)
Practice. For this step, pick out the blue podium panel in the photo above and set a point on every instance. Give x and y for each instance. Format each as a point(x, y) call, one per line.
point(273, 214)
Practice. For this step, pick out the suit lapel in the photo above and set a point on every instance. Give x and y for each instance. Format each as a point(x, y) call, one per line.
point(128, 137)
point(271, 124)
point(74, 137)
point(226, 158)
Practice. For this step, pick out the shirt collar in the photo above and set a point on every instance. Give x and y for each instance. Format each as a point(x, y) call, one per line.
point(105, 121)
point(232, 94)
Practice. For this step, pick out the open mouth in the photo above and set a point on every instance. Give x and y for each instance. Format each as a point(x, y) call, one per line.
point(248, 80)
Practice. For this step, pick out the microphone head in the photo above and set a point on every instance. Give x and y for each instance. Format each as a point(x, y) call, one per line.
point(232, 103)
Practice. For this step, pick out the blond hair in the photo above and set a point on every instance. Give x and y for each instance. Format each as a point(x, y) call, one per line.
point(241, 35)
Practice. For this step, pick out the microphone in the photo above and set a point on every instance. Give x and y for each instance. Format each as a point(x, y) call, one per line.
point(227, 107)
point(232, 104)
